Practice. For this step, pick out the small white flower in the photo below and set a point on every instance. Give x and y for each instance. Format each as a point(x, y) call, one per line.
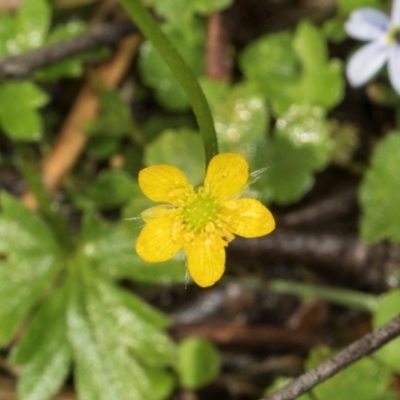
point(383, 33)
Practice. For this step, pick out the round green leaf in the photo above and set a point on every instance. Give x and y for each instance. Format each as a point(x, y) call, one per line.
point(301, 146)
point(182, 148)
point(379, 193)
point(198, 363)
point(387, 309)
point(241, 120)
point(21, 99)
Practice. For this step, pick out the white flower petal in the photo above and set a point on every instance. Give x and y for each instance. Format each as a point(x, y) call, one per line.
point(366, 62)
point(366, 24)
point(395, 19)
point(394, 67)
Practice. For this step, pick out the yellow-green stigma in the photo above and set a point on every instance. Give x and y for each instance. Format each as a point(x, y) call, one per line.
point(393, 35)
point(201, 213)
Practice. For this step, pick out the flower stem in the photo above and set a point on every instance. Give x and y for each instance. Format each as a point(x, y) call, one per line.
point(182, 72)
point(342, 297)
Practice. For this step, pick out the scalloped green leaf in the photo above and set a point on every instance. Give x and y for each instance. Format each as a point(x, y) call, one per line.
point(44, 352)
point(181, 148)
point(188, 39)
point(198, 364)
point(321, 81)
point(365, 379)
point(301, 146)
point(32, 24)
point(7, 33)
point(21, 98)
point(379, 195)
point(388, 308)
point(271, 64)
point(241, 120)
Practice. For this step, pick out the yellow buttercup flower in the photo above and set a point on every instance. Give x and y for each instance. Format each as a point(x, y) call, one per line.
point(201, 222)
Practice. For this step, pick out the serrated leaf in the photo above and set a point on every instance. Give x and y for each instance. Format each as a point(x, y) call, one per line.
point(366, 379)
point(100, 335)
point(21, 284)
point(198, 364)
point(181, 148)
point(112, 252)
point(241, 120)
point(93, 381)
point(186, 37)
point(33, 258)
point(32, 24)
point(44, 351)
point(301, 146)
point(379, 195)
point(388, 308)
point(23, 231)
point(18, 101)
point(135, 321)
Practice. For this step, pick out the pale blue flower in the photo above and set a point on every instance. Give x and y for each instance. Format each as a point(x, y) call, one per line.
point(383, 35)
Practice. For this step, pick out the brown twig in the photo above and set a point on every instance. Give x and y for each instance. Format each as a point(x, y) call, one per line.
point(367, 345)
point(21, 66)
point(256, 337)
point(217, 57)
point(72, 138)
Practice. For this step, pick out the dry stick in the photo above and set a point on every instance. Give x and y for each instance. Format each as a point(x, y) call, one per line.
point(101, 35)
point(218, 57)
point(72, 138)
point(366, 345)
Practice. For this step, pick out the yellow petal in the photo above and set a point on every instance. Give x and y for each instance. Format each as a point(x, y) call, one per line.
point(227, 175)
point(205, 262)
point(155, 243)
point(164, 183)
point(248, 218)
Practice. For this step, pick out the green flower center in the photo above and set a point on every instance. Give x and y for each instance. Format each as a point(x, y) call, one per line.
point(202, 213)
point(394, 35)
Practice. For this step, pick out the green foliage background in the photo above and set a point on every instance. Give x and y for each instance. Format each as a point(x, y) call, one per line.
point(62, 283)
